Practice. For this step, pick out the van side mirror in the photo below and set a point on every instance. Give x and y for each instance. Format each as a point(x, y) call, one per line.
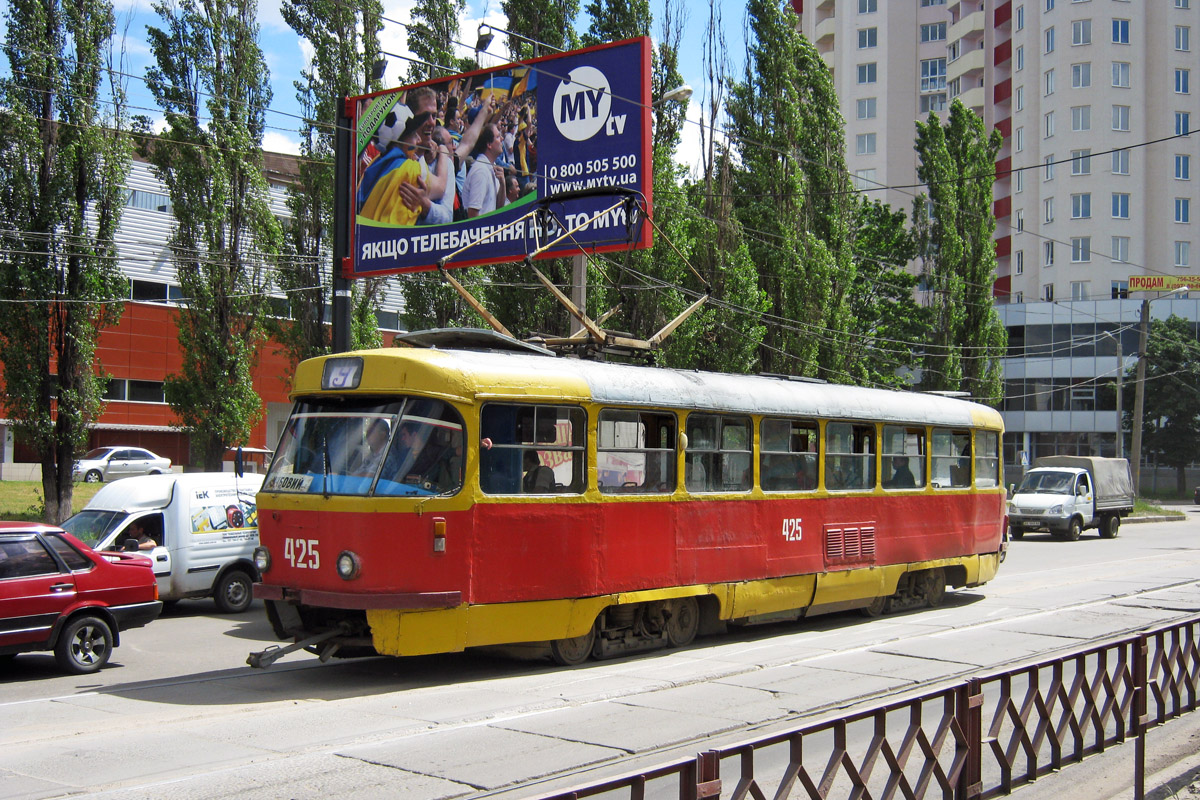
point(1012, 489)
point(239, 463)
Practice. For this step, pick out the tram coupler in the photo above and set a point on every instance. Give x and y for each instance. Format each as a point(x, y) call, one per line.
point(265, 658)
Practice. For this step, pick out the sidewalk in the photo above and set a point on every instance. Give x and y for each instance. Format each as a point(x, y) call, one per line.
point(1172, 769)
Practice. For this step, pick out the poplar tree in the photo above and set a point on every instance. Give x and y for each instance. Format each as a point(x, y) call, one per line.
point(793, 198)
point(63, 162)
point(549, 22)
point(345, 44)
point(211, 82)
point(955, 226)
point(432, 35)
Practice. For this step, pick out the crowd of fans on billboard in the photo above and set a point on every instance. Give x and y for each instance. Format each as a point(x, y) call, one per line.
point(451, 152)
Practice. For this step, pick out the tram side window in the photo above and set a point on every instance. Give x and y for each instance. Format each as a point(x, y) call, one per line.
point(532, 449)
point(987, 459)
point(951, 459)
point(635, 452)
point(849, 456)
point(788, 455)
point(718, 454)
point(903, 452)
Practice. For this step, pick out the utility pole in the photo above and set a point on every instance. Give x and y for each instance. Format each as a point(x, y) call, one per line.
point(343, 162)
point(1139, 398)
point(1119, 444)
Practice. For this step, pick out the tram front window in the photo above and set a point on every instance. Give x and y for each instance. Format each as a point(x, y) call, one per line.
point(396, 448)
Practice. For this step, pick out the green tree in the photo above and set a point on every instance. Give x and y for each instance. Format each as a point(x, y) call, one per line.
point(614, 21)
point(792, 197)
point(886, 318)
point(958, 163)
point(345, 47)
point(63, 162)
point(211, 82)
point(431, 36)
point(1171, 410)
point(550, 22)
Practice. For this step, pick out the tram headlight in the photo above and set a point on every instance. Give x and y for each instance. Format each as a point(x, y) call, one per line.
point(262, 559)
point(348, 565)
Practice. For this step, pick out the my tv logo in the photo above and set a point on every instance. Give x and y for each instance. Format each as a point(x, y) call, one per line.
point(583, 106)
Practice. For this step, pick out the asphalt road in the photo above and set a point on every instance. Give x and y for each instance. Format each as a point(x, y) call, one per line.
point(178, 713)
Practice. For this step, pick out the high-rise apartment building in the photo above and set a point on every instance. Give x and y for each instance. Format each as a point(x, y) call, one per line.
point(1091, 186)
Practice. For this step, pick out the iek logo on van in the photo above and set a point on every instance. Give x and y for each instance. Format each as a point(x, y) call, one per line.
point(583, 106)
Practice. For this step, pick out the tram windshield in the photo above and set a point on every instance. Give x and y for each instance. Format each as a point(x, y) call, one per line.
point(390, 448)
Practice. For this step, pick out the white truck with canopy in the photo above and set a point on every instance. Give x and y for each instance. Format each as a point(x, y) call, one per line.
point(1066, 495)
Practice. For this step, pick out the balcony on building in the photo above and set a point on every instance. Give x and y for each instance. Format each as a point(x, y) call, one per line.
point(969, 64)
point(973, 99)
point(824, 32)
point(970, 27)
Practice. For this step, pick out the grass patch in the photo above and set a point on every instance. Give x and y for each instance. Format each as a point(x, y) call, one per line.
point(1145, 508)
point(22, 500)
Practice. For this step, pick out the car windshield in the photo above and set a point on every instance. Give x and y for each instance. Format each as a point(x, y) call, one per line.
point(98, 453)
point(91, 526)
point(1046, 483)
point(367, 446)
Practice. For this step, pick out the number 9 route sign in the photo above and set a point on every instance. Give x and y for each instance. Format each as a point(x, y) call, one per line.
point(454, 168)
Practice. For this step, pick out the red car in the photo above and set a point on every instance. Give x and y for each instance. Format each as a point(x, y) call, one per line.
point(56, 593)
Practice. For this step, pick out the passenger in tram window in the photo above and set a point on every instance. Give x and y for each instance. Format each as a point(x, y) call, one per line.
point(367, 459)
point(446, 474)
point(695, 477)
point(539, 479)
point(804, 482)
point(902, 477)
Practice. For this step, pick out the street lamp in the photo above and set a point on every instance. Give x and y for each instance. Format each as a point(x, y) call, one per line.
point(1139, 397)
point(679, 93)
point(487, 33)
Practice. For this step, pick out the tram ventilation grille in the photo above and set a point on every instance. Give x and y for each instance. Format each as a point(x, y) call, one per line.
point(850, 544)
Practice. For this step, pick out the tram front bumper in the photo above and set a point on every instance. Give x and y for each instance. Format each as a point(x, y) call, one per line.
point(357, 601)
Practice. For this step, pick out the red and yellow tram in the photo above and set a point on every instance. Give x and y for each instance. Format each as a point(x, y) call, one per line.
point(427, 500)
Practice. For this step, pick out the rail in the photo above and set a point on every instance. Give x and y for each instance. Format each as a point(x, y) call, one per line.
point(976, 738)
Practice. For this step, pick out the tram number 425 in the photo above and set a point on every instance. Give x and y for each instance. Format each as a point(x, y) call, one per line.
point(302, 553)
point(791, 529)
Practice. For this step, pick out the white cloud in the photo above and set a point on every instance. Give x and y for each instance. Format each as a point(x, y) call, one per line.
point(278, 142)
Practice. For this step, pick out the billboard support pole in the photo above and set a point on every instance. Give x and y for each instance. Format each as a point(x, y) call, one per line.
point(343, 161)
point(578, 288)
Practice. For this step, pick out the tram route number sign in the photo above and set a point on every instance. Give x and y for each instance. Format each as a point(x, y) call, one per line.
point(569, 122)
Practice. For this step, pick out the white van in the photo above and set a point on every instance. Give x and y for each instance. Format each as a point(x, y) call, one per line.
point(204, 526)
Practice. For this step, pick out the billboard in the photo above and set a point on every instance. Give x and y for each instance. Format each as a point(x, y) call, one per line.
point(489, 166)
point(1163, 283)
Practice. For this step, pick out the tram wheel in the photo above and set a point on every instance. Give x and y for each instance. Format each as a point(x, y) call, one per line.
point(684, 622)
point(574, 651)
point(934, 586)
point(878, 608)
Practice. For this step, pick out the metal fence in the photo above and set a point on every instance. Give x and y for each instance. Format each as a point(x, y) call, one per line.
point(978, 738)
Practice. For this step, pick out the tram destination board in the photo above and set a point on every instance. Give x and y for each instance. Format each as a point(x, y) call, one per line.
point(570, 131)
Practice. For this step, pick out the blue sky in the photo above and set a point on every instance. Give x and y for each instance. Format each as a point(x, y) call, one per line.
point(286, 54)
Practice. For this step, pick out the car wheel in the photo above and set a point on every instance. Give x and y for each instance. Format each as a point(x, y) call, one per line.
point(1074, 528)
point(1016, 532)
point(233, 592)
point(155, 472)
point(1111, 526)
point(93, 476)
point(84, 645)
